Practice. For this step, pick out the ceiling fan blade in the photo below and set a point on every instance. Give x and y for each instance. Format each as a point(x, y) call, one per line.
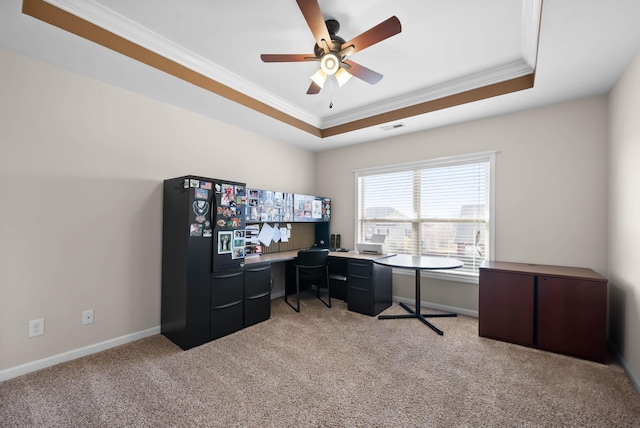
point(382, 31)
point(287, 57)
point(362, 72)
point(314, 88)
point(312, 13)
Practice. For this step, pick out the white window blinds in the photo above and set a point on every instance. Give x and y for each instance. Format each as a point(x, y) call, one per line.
point(440, 208)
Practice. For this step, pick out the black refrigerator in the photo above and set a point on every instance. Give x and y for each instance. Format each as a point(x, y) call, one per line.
point(203, 249)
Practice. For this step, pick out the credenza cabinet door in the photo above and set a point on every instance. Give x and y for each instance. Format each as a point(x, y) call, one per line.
point(572, 317)
point(506, 307)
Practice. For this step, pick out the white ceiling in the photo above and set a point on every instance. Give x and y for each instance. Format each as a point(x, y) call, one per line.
point(445, 47)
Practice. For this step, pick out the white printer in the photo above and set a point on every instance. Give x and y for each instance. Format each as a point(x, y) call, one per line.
point(377, 245)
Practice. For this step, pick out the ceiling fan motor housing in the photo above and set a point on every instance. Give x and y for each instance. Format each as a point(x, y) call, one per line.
point(335, 46)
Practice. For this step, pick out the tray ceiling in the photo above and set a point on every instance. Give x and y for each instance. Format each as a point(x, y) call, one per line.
point(448, 57)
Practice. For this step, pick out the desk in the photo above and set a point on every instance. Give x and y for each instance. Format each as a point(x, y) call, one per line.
point(419, 263)
point(284, 256)
point(366, 288)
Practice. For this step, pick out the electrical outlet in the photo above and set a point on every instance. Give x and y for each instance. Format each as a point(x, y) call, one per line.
point(36, 327)
point(87, 317)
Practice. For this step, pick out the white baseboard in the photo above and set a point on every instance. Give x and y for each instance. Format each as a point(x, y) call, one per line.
point(618, 356)
point(411, 302)
point(20, 370)
point(437, 306)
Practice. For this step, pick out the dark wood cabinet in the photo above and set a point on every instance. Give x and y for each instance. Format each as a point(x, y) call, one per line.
point(553, 308)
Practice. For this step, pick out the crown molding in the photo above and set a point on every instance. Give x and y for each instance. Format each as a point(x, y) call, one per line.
point(526, 65)
point(157, 51)
point(531, 20)
point(481, 79)
point(109, 20)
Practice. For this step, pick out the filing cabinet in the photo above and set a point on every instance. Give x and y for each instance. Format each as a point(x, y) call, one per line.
point(368, 287)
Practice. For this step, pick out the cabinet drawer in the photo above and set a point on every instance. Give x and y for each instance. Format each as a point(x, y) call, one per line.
point(360, 269)
point(226, 319)
point(227, 289)
point(359, 283)
point(360, 301)
point(257, 280)
point(257, 309)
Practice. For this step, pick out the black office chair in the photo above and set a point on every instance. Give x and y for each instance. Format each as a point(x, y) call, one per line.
point(312, 267)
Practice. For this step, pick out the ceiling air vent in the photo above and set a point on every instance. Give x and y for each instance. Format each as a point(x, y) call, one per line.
point(391, 127)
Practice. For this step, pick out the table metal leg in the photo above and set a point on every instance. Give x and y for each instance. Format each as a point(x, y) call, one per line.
point(416, 313)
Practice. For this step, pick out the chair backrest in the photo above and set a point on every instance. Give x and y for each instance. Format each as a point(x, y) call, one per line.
point(312, 263)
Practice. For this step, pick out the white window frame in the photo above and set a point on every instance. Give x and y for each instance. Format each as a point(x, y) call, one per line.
point(489, 157)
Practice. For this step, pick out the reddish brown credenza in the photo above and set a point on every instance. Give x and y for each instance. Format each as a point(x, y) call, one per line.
point(553, 308)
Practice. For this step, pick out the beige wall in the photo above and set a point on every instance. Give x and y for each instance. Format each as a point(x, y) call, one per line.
point(624, 212)
point(551, 187)
point(81, 167)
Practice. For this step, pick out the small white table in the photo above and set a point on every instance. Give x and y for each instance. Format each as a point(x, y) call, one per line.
point(419, 263)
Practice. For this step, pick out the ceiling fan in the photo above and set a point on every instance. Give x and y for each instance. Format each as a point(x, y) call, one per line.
point(331, 50)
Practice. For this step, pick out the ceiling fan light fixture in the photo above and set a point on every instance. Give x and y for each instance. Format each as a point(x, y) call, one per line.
point(330, 64)
point(342, 76)
point(319, 77)
point(331, 50)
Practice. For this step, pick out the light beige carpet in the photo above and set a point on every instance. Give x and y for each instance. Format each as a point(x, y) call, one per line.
point(325, 368)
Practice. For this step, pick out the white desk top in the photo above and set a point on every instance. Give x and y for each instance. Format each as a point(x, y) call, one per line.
point(284, 256)
point(419, 262)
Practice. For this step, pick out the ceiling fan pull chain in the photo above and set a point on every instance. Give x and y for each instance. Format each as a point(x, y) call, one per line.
point(330, 92)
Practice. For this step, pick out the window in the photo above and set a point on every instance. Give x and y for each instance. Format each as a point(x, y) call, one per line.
point(441, 207)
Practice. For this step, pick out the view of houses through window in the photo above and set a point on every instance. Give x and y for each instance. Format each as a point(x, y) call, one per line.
point(435, 208)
